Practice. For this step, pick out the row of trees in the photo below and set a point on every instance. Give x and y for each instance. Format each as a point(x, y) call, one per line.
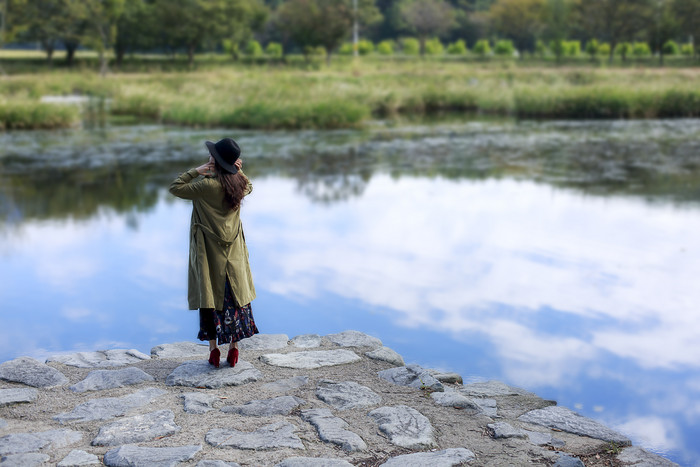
point(305, 25)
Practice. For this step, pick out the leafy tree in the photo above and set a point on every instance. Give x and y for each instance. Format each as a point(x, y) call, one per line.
point(274, 49)
point(482, 47)
point(101, 17)
point(434, 47)
point(688, 14)
point(623, 49)
point(558, 17)
point(457, 48)
point(427, 18)
point(253, 48)
point(133, 28)
point(38, 20)
point(385, 47)
point(662, 24)
point(671, 47)
point(504, 47)
point(592, 48)
point(522, 21)
point(410, 46)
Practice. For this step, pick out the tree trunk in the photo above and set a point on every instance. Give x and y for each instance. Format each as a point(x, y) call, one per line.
point(328, 57)
point(421, 41)
point(190, 55)
point(120, 55)
point(70, 53)
point(103, 63)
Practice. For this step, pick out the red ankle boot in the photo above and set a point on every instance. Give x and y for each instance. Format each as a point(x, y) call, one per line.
point(232, 357)
point(214, 357)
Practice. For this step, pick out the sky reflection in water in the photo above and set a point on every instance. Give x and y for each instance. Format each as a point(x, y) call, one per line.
point(585, 299)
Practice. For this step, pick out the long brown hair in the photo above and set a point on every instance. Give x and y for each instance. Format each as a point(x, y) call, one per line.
point(234, 186)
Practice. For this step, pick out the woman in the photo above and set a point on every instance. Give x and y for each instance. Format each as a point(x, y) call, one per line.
point(220, 284)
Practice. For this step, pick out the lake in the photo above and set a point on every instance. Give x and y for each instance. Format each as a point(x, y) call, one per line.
point(561, 257)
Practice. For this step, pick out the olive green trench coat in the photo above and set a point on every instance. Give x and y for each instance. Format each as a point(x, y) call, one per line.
point(217, 244)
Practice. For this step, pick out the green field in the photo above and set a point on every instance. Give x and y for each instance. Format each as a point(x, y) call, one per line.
point(346, 94)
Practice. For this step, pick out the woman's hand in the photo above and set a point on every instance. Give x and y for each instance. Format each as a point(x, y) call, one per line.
point(238, 163)
point(206, 169)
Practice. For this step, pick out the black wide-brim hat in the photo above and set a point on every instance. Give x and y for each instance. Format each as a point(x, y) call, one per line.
point(226, 152)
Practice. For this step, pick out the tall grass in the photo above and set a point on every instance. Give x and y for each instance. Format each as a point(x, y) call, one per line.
point(347, 94)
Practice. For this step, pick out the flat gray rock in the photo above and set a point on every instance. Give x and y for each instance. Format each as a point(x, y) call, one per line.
point(386, 354)
point(199, 373)
point(413, 376)
point(60, 438)
point(109, 407)
point(405, 426)
point(492, 389)
point(100, 358)
point(264, 342)
point(24, 460)
point(79, 458)
point(3, 423)
point(313, 462)
point(543, 439)
point(454, 399)
point(198, 402)
point(180, 350)
point(450, 378)
point(130, 455)
point(216, 463)
point(282, 405)
point(445, 458)
point(306, 341)
point(564, 419)
point(311, 359)
point(31, 372)
point(108, 379)
point(638, 457)
point(19, 443)
point(346, 395)
point(333, 429)
point(488, 406)
point(144, 427)
point(284, 385)
point(568, 461)
point(17, 396)
point(354, 339)
point(276, 435)
point(506, 430)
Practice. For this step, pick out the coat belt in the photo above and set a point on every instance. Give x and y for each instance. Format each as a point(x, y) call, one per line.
point(210, 233)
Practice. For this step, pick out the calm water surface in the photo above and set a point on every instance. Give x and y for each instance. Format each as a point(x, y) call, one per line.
point(560, 257)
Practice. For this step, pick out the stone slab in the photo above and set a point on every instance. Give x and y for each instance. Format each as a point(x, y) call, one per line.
point(17, 396)
point(346, 395)
point(306, 341)
point(506, 430)
point(77, 458)
point(413, 376)
point(492, 389)
point(282, 405)
point(454, 399)
point(108, 379)
point(638, 457)
point(264, 342)
point(405, 426)
point(100, 358)
point(333, 429)
point(216, 463)
point(354, 339)
point(450, 378)
point(180, 350)
point(136, 429)
point(565, 419)
point(130, 455)
point(276, 435)
point(565, 460)
point(31, 459)
point(311, 359)
point(31, 372)
point(444, 458)
point(488, 406)
point(60, 438)
point(20, 443)
point(284, 385)
point(109, 407)
point(3, 423)
point(200, 374)
point(198, 402)
point(386, 354)
point(313, 462)
point(543, 439)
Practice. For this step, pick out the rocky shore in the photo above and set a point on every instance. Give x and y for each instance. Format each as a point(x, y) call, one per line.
point(336, 400)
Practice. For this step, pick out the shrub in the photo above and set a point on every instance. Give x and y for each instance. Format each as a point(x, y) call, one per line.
point(604, 49)
point(274, 49)
point(482, 47)
point(641, 49)
point(434, 47)
point(457, 48)
point(230, 47)
point(253, 48)
point(345, 49)
point(365, 47)
point(572, 48)
point(623, 49)
point(385, 47)
point(688, 49)
point(504, 47)
point(592, 48)
point(540, 48)
point(558, 47)
point(670, 47)
point(410, 46)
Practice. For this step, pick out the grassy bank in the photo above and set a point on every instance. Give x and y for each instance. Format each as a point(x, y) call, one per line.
point(346, 95)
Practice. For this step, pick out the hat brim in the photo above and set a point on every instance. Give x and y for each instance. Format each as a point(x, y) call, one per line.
point(215, 154)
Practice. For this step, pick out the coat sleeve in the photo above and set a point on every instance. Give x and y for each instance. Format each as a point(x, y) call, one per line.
point(182, 186)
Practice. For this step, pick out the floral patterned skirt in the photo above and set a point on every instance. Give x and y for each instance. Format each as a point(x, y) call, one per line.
point(229, 325)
